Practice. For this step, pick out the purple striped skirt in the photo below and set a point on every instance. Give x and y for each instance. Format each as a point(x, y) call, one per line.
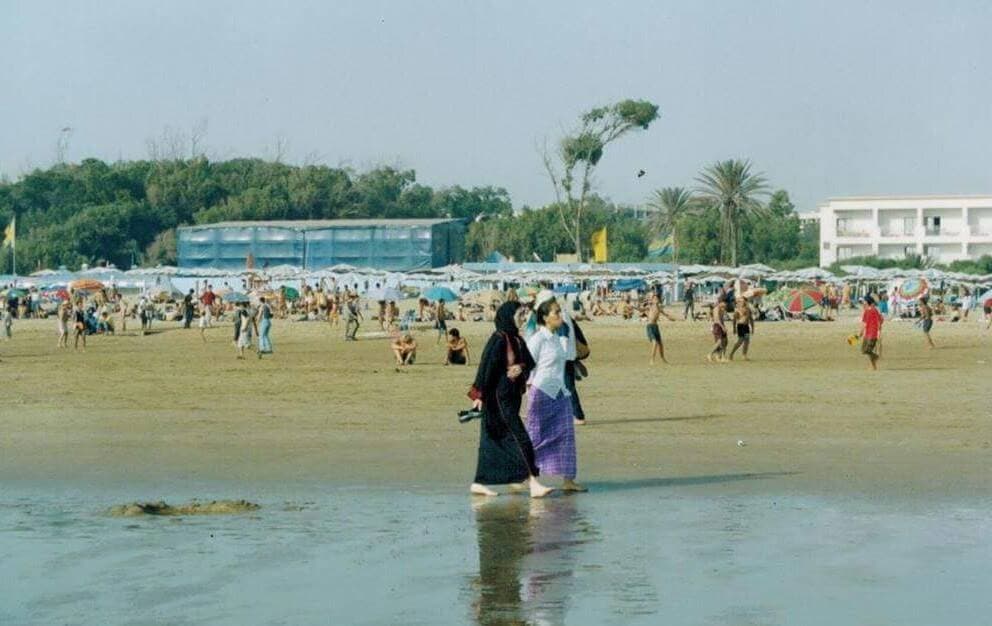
point(549, 424)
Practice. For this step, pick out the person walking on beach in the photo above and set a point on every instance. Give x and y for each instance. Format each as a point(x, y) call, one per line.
point(440, 320)
point(79, 325)
point(926, 320)
point(719, 351)
point(8, 322)
point(506, 454)
point(352, 314)
point(743, 327)
point(690, 303)
point(246, 326)
point(549, 413)
point(655, 310)
point(207, 300)
point(64, 314)
point(871, 331)
point(188, 309)
point(264, 323)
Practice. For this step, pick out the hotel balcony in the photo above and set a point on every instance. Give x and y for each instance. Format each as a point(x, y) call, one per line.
point(977, 231)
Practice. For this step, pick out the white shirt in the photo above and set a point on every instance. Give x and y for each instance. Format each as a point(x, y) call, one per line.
point(549, 358)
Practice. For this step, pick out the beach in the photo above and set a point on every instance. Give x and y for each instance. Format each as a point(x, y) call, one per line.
point(802, 416)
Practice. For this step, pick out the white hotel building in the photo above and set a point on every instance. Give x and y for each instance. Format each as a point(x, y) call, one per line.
point(941, 228)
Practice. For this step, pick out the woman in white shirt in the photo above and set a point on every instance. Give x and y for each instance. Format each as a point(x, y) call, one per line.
point(549, 414)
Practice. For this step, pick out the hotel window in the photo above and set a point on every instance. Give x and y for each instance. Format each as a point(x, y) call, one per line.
point(932, 224)
point(933, 252)
point(843, 225)
point(908, 250)
point(908, 225)
point(844, 252)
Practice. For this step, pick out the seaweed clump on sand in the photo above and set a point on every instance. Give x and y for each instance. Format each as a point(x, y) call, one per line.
point(214, 507)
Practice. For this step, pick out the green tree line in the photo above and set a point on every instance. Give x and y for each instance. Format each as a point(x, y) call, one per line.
point(126, 213)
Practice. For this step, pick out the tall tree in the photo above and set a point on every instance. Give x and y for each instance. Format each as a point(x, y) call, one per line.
point(580, 153)
point(736, 193)
point(671, 204)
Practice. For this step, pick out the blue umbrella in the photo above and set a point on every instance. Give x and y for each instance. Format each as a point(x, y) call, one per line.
point(236, 297)
point(439, 293)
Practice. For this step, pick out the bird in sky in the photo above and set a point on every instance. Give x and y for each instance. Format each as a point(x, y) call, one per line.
point(641, 173)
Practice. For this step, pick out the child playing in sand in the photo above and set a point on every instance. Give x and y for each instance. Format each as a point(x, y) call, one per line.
point(457, 353)
point(719, 351)
point(405, 350)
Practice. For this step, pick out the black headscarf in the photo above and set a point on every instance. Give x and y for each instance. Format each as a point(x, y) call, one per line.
point(506, 321)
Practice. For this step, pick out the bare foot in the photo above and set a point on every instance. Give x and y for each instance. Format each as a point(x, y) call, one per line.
point(481, 490)
point(571, 485)
point(709, 358)
point(537, 490)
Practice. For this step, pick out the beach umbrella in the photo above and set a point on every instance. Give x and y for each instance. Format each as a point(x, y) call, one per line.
point(57, 293)
point(290, 293)
point(439, 293)
point(388, 294)
point(86, 284)
point(236, 297)
point(567, 289)
point(913, 288)
point(799, 300)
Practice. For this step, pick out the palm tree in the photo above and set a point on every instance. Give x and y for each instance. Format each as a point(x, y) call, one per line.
point(671, 204)
point(736, 193)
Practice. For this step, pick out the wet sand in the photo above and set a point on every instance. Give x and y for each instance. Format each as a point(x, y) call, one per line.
point(812, 419)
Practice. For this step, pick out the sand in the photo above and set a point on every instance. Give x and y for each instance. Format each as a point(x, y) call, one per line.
point(169, 406)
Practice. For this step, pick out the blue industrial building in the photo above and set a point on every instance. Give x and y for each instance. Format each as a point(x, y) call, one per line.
point(396, 245)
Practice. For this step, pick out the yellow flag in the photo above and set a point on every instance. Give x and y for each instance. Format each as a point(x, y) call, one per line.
point(599, 246)
point(10, 233)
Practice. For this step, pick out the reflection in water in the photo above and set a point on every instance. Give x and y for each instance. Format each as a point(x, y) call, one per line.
point(526, 559)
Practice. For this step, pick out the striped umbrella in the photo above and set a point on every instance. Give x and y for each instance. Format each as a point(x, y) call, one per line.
point(799, 300)
point(86, 284)
point(913, 288)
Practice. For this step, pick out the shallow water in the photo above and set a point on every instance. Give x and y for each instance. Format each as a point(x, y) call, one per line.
point(639, 552)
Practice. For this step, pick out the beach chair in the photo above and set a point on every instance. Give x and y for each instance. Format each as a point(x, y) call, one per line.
point(408, 318)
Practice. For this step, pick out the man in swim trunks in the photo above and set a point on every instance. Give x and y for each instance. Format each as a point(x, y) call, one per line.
point(743, 327)
point(926, 319)
point(656, 309)
point(717, 313)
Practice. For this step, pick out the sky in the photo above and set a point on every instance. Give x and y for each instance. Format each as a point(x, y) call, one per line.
point(827, 99)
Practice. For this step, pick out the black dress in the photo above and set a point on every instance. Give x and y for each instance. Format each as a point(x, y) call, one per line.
point(505, 451)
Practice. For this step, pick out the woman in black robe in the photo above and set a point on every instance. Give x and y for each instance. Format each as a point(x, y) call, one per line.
point(506, 455)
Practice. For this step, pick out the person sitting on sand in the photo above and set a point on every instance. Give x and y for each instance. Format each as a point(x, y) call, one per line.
point(457, 353)
point(405, 349)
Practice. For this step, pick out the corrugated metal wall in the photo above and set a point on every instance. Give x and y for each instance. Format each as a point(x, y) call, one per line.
point(397, 247)
point(229, 247)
